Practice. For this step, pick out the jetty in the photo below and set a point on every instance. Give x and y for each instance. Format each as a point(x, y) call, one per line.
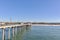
point(4, 25)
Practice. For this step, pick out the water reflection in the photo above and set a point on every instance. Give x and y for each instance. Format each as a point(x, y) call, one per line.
point(21, 31)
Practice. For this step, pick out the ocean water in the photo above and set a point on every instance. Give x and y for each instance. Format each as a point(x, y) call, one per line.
point(34, 33)
point(43, 33)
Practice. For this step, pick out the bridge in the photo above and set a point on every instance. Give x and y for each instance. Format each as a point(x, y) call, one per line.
point(12, 25)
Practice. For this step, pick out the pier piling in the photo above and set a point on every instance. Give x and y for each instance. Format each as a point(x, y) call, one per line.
point(9, 34)
point(16, 31)
point(3, 34)
point(13, 31)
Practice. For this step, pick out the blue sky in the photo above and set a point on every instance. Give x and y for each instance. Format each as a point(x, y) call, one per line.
point(30, 10)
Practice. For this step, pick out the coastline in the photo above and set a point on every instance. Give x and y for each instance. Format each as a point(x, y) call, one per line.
point(43, 25)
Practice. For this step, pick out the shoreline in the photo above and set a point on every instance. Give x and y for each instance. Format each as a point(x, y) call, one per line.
point(43, 25)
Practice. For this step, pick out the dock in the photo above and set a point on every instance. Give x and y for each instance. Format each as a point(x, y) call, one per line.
point(9, 25)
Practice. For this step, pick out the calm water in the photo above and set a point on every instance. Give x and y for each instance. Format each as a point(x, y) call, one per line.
point(43, 33)
point(35, 33)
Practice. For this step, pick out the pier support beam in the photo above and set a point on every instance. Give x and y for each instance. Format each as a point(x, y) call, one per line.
point(13, 31)
point(16, 31)
point(3, 34)
point(9, 34)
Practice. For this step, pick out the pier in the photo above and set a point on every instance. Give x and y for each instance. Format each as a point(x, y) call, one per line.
point(14, 27)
